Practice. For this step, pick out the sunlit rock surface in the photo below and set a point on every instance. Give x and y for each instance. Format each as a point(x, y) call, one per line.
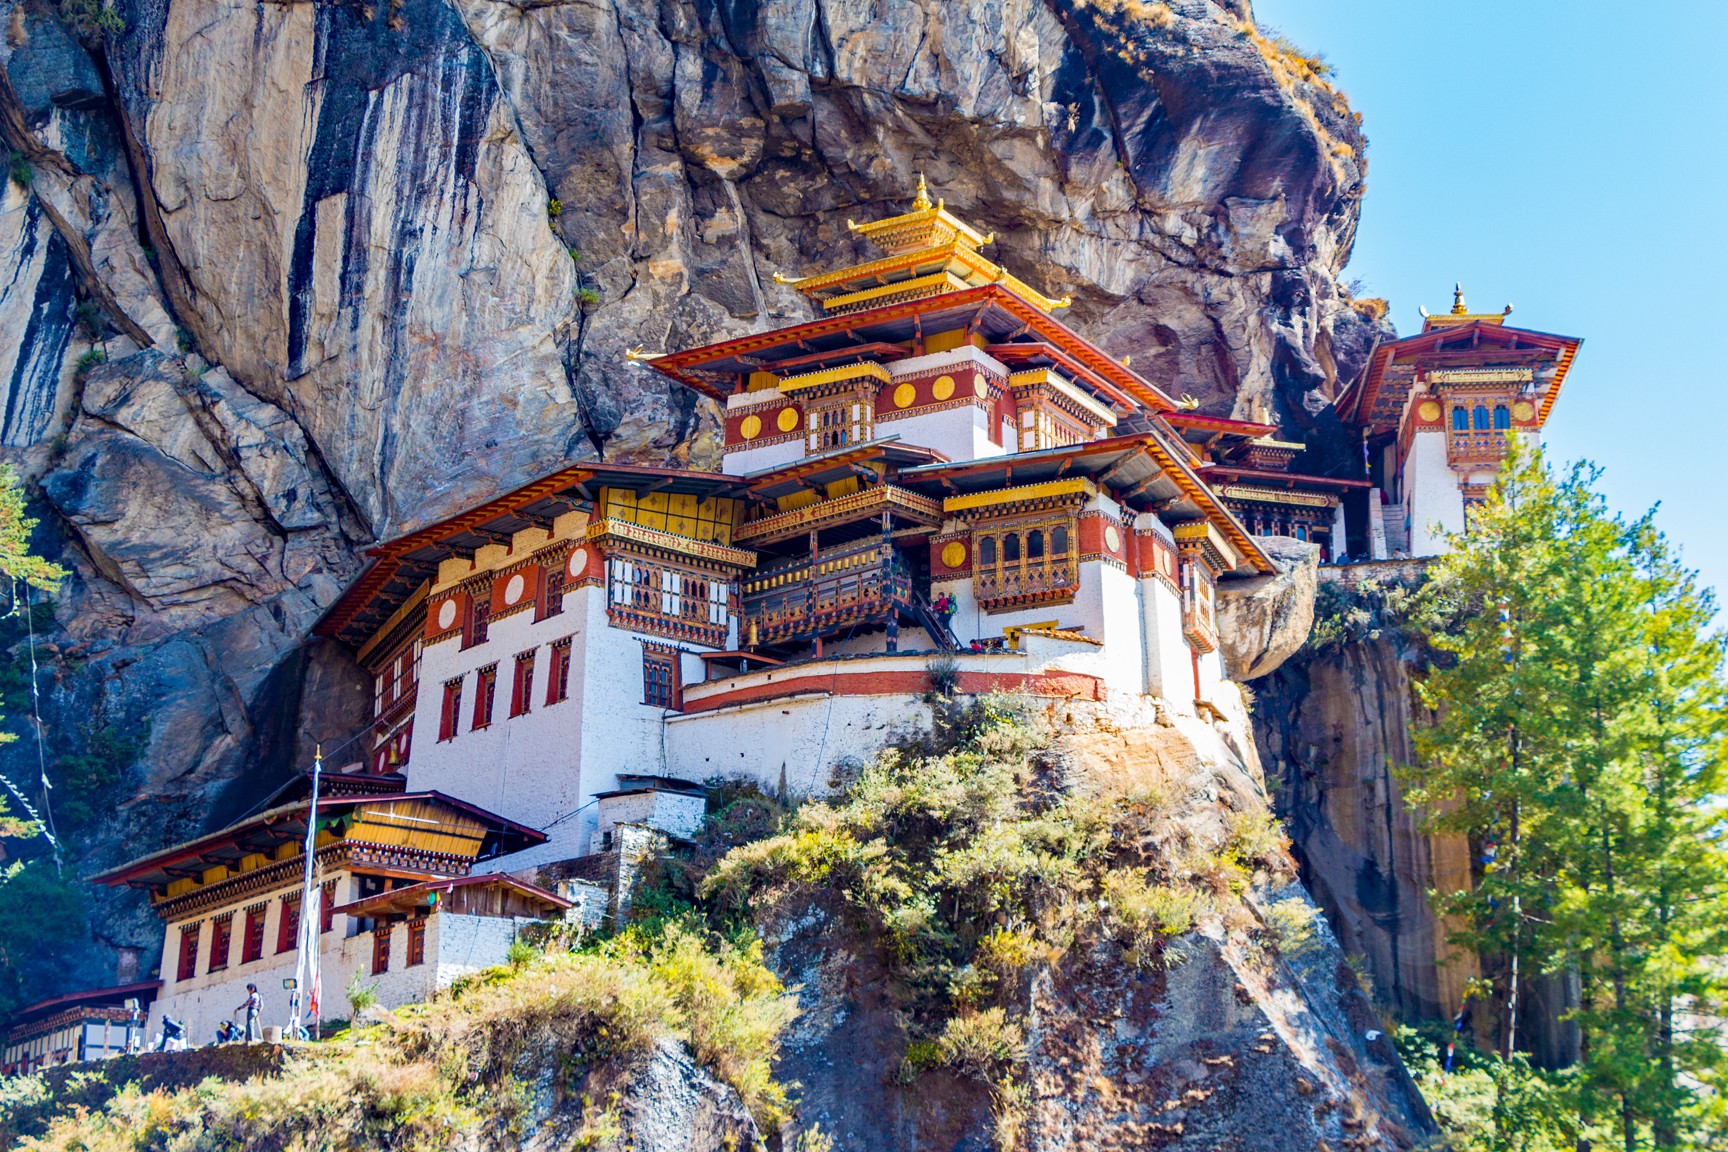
point(280, 280)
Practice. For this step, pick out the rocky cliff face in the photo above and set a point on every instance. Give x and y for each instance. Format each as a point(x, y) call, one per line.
point(347, 267)
point(1334, 727)
point(1228, 1041)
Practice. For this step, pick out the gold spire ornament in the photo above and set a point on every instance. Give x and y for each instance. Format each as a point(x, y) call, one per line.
point(921, 198)
point(1458, 308)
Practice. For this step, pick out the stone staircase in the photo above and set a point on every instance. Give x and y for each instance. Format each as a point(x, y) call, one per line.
point(1397, 537)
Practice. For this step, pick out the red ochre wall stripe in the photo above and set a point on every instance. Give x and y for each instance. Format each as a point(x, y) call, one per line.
point(1068, 685)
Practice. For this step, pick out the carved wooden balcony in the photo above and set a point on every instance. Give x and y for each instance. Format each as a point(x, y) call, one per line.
point(808, 600)
point(1054, 580)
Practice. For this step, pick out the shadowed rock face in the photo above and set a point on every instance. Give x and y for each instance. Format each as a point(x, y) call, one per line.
point(1334, 729)
point(314, 243)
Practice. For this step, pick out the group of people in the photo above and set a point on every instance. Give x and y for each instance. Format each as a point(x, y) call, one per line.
point(172, 1037)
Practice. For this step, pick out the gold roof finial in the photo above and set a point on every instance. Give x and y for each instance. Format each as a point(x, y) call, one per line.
point(1458, 308)
point(921, 198)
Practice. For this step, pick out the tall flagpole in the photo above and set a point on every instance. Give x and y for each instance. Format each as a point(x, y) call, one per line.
point(306, 988)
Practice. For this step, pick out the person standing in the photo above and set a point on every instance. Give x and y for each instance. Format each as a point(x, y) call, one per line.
point(254, 1003)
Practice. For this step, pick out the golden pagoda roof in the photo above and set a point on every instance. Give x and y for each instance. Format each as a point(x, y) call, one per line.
point(930, 251)
point(1461, 314)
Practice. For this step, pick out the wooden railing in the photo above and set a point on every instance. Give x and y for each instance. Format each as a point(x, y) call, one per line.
point(834, 592)
point(1028, 581)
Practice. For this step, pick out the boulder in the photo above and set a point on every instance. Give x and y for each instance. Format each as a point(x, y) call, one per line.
point(1262, 622)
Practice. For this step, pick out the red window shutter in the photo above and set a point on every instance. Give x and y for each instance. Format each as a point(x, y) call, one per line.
point(416, 942)
point(452, 709)
point(558, 676)
point(326, 905)
point(221, 935)
point(254, 945)
point(381, 949)
point(188, 966)
point(549, 598)
point(288, 925)
point(522, 687)
point(485, 688)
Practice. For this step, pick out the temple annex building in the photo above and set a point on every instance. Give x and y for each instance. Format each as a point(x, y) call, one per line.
point(936, 469)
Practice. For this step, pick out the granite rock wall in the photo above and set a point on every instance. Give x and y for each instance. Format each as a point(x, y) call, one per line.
point(279, 280)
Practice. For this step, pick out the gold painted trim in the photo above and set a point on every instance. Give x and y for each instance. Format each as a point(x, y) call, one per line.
point(599, 530)
point(869, 370)
point(1050, 488)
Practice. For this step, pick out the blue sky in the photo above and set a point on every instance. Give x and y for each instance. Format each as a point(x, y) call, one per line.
point(1569, 157)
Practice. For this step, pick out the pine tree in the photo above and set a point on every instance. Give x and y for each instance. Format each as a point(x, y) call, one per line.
point(1580, 713)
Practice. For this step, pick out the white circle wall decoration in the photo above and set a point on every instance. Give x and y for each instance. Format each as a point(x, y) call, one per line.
point(447, 614)
point(1112, 538)
point(578, 562)
point(980, 385)
point(514, 589)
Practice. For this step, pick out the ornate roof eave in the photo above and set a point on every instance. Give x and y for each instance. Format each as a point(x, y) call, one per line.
point(1355, 405)
point(684, 365)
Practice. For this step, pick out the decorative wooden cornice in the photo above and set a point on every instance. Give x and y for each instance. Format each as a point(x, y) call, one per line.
point(869, 501)
point(609, 531)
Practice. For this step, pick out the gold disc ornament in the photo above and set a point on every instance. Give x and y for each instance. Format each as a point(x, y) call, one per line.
point(787, 420)
point(1428, 411)
point(953, 554)
point(904, 395)
point(943, 388)
point(980, 385)
point(751, 428)
point(1523, 410)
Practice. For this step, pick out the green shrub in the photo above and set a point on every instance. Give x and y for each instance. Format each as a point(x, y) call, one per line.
point(554, 208)
point(520, 954)
point(93, 20)
point(360, 995)
point(1291, 922)
point(981, 1043)
point(588, 297)
point(20, 170)
point(450, 1072)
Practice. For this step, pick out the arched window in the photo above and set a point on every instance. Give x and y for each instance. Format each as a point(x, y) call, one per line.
point(1059, 542)
point(1481, 415)
point(1502, 416)
point(987, 551)
point(1010, 548)
point(1034, 545)
point(1460, 420)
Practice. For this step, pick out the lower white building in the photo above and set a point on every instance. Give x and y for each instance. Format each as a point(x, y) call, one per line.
point(402, 909)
